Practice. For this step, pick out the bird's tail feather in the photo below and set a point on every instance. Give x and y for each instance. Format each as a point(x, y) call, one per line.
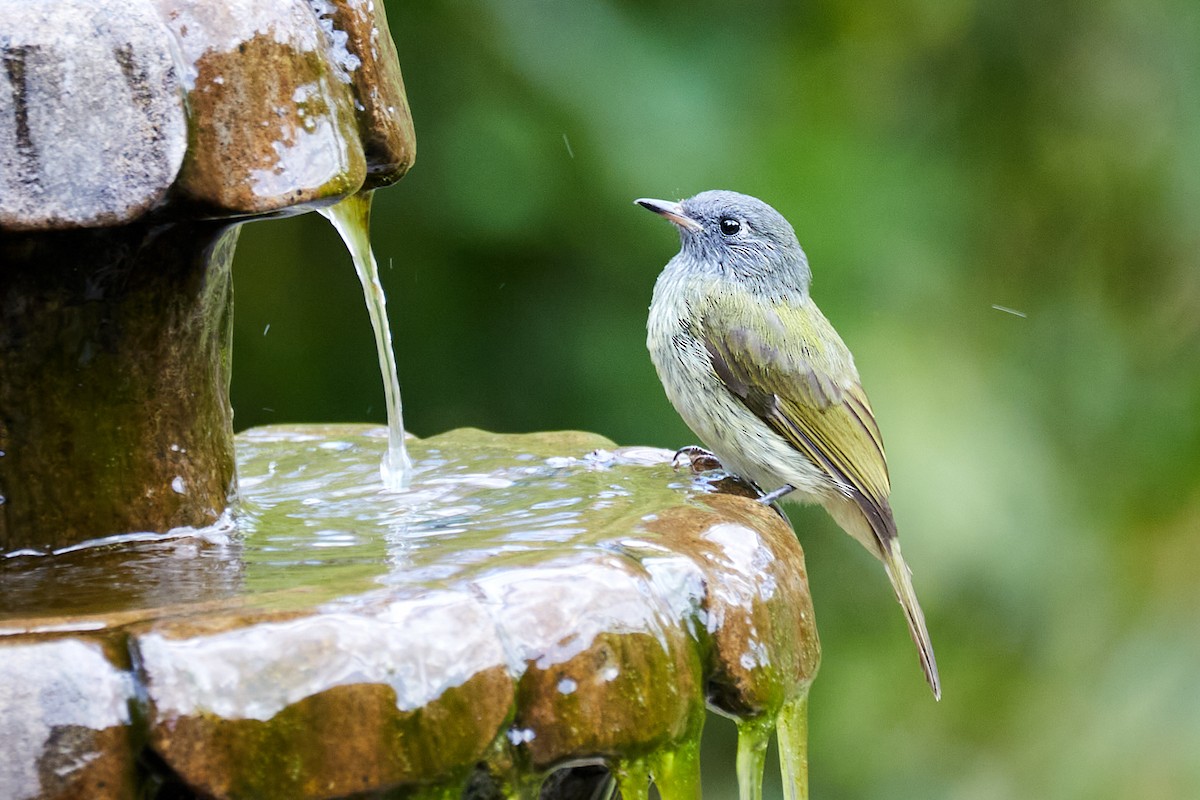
point(901, 578)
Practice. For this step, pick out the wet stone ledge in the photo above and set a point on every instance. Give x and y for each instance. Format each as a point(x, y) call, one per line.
point(533, 602)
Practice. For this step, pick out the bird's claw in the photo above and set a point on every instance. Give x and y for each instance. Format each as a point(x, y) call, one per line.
point(770, 498)
point(697, 459)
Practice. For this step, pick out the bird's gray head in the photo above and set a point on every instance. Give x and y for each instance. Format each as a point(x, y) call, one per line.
point(737, 236)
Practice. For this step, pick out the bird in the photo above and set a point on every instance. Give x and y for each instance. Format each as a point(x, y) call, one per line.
point(762, 378)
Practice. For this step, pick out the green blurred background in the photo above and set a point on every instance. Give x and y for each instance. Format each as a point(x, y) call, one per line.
point(936, 159)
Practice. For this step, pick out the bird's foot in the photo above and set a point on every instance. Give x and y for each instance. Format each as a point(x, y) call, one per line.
point(770, 497)
point(697, 459)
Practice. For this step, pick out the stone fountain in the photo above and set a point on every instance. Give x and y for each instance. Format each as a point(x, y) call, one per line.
point(186, 613)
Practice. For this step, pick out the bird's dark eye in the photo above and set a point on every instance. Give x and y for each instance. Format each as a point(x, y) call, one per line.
point(730, 226)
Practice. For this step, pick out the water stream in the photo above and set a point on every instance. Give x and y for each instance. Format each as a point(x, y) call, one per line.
point(352, 219)
point(753, 737)
point(793, 748)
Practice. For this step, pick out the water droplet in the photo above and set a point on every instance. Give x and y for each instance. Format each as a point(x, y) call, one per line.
point(521, 735)
point(178, 485)
point(567, 686)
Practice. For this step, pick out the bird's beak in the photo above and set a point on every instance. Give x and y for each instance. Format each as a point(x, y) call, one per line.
point(671, 211)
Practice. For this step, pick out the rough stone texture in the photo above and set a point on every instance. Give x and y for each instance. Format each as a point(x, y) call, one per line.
point(384, 118)
point(277, 103)
point(272, 123)
point(92, 127)
point(354, 699)
point(761, 622)
point(532, 603)
point(114, 382)
point(64, 721)
point(608, 671)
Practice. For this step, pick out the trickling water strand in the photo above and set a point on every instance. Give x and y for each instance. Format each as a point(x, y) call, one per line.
point(633, 779)
point(753, 736)
point(352, 217)
point(677, 772)
point(793, 747)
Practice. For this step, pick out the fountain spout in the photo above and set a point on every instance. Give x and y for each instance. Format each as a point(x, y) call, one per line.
point(117, 230)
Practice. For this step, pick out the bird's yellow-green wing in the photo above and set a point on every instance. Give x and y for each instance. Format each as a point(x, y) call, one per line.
point(787, 364)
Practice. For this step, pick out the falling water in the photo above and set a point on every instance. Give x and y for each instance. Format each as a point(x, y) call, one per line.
point(791, 728)
point(633, 779)
point(677, 772)
point(793, 747)
point(753, 737)
point(352, 218)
